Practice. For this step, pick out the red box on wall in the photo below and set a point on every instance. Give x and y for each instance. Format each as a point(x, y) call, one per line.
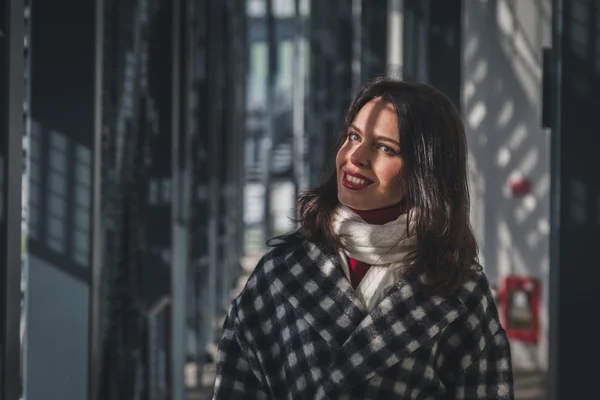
point(519, 300)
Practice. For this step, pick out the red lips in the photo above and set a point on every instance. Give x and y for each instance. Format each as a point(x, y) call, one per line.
point(357, 175)
point(352, 185)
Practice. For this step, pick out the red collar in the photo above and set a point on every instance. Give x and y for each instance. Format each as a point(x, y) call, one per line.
point(380, 216)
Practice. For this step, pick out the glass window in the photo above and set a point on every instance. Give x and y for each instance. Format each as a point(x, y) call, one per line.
point(256, 8)
point(259, 59)
point(304, 8)
point(283, 8)
point(286, 60)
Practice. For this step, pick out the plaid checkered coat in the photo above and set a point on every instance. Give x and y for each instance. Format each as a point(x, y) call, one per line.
point(298, 332)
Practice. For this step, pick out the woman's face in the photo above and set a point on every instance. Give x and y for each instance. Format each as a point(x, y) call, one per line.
point(369, 164)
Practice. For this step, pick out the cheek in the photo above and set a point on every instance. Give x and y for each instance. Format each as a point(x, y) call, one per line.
point(390, 174)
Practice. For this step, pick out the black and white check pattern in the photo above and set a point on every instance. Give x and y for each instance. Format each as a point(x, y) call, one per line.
point(297, 331)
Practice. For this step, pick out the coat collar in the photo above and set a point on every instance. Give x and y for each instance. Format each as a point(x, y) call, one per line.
point(315, 285)
point(405, 320)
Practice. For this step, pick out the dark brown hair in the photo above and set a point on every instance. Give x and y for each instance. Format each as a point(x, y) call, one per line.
point(434, 177)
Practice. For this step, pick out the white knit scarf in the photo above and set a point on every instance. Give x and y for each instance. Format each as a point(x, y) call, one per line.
point(373, 244)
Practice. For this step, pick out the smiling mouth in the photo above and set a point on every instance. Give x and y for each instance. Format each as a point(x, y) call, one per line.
point(354, 183)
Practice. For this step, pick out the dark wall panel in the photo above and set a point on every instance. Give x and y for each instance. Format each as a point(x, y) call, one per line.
point(575, 200)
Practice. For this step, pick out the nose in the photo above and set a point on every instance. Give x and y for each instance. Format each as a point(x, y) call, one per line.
point(360, 156)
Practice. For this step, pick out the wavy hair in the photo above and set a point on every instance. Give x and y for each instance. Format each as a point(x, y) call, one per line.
point(434, 177)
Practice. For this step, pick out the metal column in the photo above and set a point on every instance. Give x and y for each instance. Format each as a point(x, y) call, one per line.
point(215, 69)
point(374, 37)
point(395, 48)
point(444, 48)
point(204, 278)
point(330, 80)
point(180, 201)
point(270, 117)
point(11, 139)
point(432, 44)
point(160, 256)
point(416, 40)
point(298, 105)
point(95, 338)
point(233, 118)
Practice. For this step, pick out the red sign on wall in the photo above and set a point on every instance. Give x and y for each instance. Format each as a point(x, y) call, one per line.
point(520, 187)
point(519, 300)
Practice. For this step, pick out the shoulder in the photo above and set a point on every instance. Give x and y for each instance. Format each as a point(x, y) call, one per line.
point(480, 320)
point(274, 266)
point(477, 296)
point(283, 252)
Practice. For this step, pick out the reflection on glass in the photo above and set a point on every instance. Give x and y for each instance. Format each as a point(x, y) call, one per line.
point(82, 206)
point(56, 205)
point(578, 207)
point(579, 26)
point(34, 181)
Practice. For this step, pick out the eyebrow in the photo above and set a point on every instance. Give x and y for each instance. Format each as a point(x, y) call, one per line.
point(378, 137)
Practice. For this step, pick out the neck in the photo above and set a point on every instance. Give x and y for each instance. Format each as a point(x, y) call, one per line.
point(380, 216)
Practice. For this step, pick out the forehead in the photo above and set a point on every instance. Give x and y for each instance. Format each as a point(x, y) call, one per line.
point(377, 116)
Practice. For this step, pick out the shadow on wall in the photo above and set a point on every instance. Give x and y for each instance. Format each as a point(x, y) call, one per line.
point(502, 102)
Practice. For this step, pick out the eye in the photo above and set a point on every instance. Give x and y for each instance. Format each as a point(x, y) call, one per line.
point(353, 136)
point(387, 149)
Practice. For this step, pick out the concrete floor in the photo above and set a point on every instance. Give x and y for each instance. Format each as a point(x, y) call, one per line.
point(204, 392)
point(530, 385)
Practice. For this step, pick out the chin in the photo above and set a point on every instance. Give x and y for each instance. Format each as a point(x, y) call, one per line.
point(364, 203)
point(353, 203)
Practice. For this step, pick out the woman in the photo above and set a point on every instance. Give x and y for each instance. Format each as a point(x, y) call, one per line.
point(379, 294)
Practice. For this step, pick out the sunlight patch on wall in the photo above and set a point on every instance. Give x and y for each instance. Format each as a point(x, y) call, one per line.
point(506, 113)
point(526, 63)
point(524, 208)
point(477, 115)
point(542, 186)
point(468, 91)
point(529, 162)
point(470, 48)
point(517, 137)
point(503, 157)
point(481, 71)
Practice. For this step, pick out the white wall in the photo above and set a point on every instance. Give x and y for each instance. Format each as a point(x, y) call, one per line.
point(502, 52)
